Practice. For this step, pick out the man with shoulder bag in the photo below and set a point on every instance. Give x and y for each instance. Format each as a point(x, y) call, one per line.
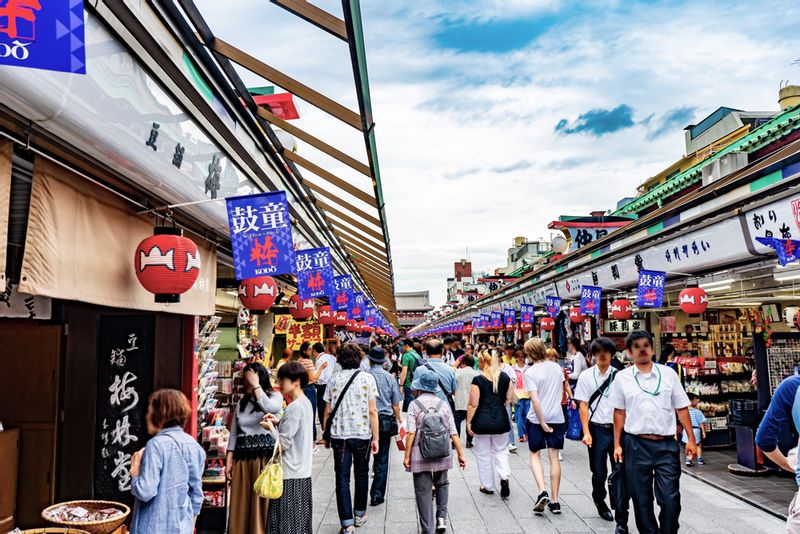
point(389, 399)
point(445, 374)
point(597, 417)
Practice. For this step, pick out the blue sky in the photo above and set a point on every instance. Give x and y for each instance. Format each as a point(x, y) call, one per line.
point(494, 117)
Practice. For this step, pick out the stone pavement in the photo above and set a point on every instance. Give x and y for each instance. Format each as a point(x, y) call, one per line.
point(706, 510)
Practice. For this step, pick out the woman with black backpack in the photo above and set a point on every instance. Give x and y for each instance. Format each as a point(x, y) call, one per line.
point(430, 435)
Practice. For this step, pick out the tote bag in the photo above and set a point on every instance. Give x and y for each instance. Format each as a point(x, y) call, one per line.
point(574, 425)
point(269, 484)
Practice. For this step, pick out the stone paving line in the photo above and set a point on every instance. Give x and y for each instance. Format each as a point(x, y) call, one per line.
point(706, 510)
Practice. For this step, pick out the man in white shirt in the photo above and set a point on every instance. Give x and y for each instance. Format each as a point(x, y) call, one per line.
point(646, 397)
point(322, 382)
point(544, 380)
point(597, 416)
point(447, 353)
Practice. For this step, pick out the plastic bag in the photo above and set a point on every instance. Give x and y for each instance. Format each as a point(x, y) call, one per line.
point(574, 425)
point(269, 484)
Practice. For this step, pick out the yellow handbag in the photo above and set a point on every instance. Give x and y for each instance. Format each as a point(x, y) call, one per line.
point(269, 484)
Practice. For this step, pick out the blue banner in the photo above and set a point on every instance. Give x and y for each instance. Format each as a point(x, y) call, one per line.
point(484, 320)
point(650, 292)
point(43, 35)
point(787, 249)
point(553, 305)
point(314, 273)
point(343, 292)
point(590, 300)
point(526, 313)
point(509, 317)
point(369, 315)
point(357, 304)
point(261, 235)
point(497, 319)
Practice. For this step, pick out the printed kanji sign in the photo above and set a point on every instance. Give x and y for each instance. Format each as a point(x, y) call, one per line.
point(590, 300)
point(553, 305)
point(357, 304)
point(650, 292)
point(509, 317)
point(314, 273)
point(298, 333)
point(484, 320)
point(261, 235)
point(497, 319)
point(41, 34)
point(526, 313)
point(342, 292)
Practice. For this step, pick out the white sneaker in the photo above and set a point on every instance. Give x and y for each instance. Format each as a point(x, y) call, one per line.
point(512, 447)
point(441, 524)
point(560, 458)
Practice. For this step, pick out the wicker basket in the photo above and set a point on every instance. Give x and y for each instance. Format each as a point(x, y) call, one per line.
point(92, 527)
point(54, 530)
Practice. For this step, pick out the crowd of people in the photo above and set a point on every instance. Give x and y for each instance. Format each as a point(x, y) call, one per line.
point(497, 395)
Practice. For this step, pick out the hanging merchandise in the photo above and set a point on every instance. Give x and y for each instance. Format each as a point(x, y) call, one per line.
point(301, 309)
point(553, 305)
point(258, 294)
point(621, 309)
point(167, 264)
point(547, 324)
point(590, 300)
point(261, 235)
point(326, 316)
point(575, 314)
point(650, 291)
point(693, 300)
point(314, 273)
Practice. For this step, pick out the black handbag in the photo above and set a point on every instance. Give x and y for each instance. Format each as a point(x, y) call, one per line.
point(387, 425)
point(326, 434)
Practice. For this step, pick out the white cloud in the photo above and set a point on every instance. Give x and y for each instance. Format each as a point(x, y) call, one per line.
point(452, 126)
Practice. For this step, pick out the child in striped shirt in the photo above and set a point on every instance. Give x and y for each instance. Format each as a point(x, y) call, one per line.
point(698, 427)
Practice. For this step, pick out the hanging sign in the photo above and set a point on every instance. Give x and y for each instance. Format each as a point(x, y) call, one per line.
point(314, 273)
point(261, 235)
point(301, 332)
point(787, 249)
point(526, 313)
point(357, 304)
point(342, 292)
point(43, 35)
point(590, 300)
point(497, 319)
point(484, 321)
point(553, 305)
point(16, 304)
point(509, 317)
point(650, 292)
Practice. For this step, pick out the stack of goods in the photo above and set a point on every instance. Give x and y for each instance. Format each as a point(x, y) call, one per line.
point(68, 513)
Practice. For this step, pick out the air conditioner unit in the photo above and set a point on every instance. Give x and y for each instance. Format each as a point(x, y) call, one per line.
point(723, 167)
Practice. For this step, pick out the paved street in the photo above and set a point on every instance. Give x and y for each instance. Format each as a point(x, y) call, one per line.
point(705, 509)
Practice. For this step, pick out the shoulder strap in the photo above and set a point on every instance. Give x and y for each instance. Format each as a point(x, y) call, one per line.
point(441, 386)
point(599, 391)
point(341, 395)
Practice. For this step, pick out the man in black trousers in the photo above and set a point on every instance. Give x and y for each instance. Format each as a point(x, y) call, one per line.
point(597, 415)
point(646, 397)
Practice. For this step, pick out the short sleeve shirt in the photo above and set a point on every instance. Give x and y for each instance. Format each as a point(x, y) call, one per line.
point(547, 380)
point(589, 382)
point(649, 400)
point(352, 418)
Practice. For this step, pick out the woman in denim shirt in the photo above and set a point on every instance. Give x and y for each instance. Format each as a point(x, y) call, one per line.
point(166, 473)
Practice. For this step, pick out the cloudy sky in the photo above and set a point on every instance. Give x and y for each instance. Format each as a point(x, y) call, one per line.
point(494, 117)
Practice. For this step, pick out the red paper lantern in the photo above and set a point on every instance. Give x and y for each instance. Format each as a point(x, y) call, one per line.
point(325, 315)
point(258, 294)
point(693, 300)
point(547, 324)
point(510, 328)
point(350, 326)
point(301, 309)
point(367, 329)
point(167, 264)
point(621, 309)
point(526, 327)
point(468, 329)
point(340, 318)
point(575, 314)
point(380, 331)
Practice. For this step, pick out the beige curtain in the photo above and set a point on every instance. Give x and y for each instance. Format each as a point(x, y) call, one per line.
point(6, 149)
point(81, 242)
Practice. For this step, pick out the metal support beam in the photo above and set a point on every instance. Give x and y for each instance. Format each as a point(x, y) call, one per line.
point(344, 204)
point(330, 177)
point(361, 239)
point(308, 94)
point(363, 250)
point(346, 218)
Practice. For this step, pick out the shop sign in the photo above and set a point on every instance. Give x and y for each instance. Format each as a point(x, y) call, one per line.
point(261, 235)
point(717, 423)
point(43, 35)
point(779, 220)
point(281, 324)
point(580, 236)
point(301, 332)
point(125, 365)
point(613, 326)
point(314, 273)
point(590, 300)
point(526, 313)
point(342, 292)
point(15, 304)
point(553, 305)
point(540, 294)
point(650, 291)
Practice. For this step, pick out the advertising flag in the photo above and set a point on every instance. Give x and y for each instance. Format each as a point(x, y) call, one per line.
point(788, 250)
point(553, 305)
point(590, 300)
point(357, 305)
point(484, 320)
point(526, 313)
point(650, 292)
point(314, 273)
point(497, 319)
point(509, 317)
point(261, 235)
point(342, 292)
